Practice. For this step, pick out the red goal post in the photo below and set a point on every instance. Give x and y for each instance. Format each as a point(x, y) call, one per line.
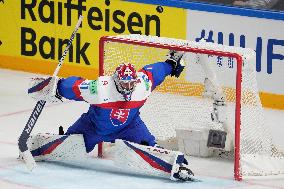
point(130, 44)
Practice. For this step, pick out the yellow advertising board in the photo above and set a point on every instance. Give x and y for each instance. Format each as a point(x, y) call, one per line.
point(34, 33)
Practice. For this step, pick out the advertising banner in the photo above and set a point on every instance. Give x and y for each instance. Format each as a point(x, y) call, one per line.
point(265, 36)
point(35, 32)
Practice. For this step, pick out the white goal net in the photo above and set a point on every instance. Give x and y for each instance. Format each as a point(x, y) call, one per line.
point(179, 102)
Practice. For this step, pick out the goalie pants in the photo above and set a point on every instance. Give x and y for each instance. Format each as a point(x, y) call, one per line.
point(136, 132)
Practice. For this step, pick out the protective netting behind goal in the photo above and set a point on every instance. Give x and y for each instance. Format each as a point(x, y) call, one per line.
point(178, 102)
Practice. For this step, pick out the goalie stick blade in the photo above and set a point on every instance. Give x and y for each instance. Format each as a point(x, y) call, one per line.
point(28, 159)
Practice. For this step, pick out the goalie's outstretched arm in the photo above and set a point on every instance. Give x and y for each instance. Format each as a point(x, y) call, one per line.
point(70, 88)
point(157, 72)
point(52, 89)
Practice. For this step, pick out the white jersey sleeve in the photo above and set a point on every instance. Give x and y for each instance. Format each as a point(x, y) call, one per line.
point(103, 91)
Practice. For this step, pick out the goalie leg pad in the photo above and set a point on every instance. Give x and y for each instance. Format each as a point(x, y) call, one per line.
point(51, 147)
point(148, 160)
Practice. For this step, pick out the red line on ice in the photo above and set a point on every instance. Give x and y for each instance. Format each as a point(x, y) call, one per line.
point(19, 184)
point(10, 143)
point(29, 110)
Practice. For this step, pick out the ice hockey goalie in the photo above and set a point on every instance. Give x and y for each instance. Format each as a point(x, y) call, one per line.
point(113, 115)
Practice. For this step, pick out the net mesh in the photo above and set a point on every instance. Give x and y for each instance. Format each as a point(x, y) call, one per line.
point(178, 103)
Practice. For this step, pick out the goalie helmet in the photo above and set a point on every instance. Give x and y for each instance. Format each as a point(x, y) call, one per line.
point(125, 78)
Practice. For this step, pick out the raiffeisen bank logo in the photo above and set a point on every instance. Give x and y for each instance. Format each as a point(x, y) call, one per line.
point(99, 16)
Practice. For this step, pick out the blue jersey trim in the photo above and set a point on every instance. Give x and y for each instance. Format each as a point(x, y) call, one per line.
point(159, 71)
point(65, 87)
point(210, 7)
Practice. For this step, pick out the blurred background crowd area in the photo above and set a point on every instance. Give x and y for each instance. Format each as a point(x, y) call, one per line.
point(277, 5)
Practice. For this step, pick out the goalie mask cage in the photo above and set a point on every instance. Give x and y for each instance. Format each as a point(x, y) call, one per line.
point(178, 102)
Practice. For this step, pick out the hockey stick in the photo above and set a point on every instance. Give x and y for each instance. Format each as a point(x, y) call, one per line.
point(22, 142)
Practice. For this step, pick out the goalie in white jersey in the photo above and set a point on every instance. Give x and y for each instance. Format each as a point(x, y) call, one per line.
point(114, 113)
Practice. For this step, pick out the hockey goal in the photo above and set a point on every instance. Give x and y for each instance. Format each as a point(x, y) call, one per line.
point(179, 102)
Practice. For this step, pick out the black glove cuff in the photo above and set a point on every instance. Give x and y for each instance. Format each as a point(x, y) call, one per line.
point(177, 68)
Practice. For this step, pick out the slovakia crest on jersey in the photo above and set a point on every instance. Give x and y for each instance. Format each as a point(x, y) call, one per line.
point(119, 116)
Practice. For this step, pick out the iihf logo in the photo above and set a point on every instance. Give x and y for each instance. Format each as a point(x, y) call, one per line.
point(119, 116)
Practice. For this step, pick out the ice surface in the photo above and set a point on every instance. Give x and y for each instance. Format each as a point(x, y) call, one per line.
point(15, 109)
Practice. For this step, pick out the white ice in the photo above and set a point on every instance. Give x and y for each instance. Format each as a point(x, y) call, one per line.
point(15, 109)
